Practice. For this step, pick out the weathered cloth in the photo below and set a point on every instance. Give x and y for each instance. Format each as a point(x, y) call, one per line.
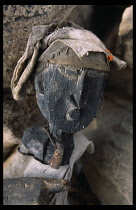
point(65, 43)
point(37, 169)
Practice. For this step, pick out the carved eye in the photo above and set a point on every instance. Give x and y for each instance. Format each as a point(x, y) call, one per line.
point(78, 72)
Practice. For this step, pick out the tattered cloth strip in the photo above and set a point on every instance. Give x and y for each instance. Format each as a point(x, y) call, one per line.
point(38, 169)
point(66, 43)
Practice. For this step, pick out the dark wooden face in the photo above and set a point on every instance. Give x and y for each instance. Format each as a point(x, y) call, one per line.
point(68, 97)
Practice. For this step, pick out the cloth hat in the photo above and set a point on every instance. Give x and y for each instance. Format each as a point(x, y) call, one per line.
point(66, 43)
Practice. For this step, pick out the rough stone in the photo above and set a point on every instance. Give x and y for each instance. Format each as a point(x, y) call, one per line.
point(109, 168)
point(125, 37)
point(121, 82)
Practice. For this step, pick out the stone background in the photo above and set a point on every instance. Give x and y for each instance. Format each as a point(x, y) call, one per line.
point(109, 169)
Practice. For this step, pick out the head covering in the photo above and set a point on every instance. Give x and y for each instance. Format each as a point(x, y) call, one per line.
point(66, 43)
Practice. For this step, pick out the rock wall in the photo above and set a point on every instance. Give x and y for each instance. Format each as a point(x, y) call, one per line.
point(122, 81)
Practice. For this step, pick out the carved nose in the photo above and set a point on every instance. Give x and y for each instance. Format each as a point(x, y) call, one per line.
point(79, 88)
point(74, 112)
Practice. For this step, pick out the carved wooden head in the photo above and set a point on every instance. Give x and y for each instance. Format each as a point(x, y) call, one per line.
point(72, 66)
point(68, 97)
